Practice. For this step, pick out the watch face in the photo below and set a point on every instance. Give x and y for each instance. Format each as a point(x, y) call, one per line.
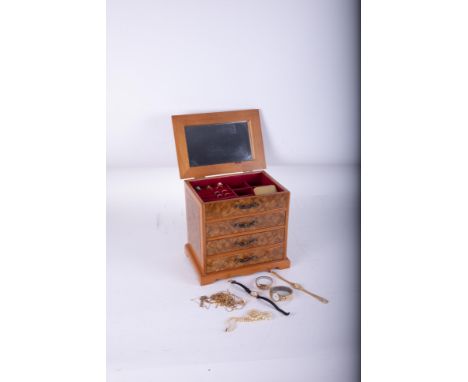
point(275, 296)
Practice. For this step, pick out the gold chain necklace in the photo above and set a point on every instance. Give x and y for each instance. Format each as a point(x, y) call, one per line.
point(252, 315)
point(224, 298)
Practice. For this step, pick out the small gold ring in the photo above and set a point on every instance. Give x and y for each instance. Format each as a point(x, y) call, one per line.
point(264, 282)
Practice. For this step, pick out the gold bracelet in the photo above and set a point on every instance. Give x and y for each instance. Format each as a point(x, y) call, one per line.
point(252, 315)
point(301, 288)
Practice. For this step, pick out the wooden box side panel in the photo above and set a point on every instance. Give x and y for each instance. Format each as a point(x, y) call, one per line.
point(286, 227)
point(195, 228)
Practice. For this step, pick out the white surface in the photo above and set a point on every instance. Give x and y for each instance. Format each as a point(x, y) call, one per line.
point(297, 61)
point(155, 331)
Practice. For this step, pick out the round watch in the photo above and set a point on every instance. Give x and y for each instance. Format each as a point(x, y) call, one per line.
point(281, 293)
point(264, 282)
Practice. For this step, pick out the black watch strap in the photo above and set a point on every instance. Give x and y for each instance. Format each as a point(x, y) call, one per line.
point(249, 291)
point(255, 294)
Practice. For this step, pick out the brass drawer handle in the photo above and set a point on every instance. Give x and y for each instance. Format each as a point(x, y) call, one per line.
point(245, 224)
point(246, 259)
point(243, 243)
point(247, 206)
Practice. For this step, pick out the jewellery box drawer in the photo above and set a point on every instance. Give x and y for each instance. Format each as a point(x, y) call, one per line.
point(245, 224)
point(236, 243)
point(255, 256)
point(245, 206)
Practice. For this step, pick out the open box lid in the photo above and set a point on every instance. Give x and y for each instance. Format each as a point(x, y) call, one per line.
point(218, 143)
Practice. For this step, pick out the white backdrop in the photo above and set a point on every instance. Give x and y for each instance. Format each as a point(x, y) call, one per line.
point(297, 61)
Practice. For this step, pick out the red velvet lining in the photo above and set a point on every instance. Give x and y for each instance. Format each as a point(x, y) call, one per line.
point(233, 186)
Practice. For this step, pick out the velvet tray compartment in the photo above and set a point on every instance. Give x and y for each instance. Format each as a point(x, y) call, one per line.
point(235, 186)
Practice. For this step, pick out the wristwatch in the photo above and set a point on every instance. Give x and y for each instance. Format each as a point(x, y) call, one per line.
point(256, 295)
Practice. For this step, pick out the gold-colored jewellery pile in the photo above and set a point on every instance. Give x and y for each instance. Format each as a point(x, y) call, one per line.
point(252, 315)
point(278, 294)
point(225, 299)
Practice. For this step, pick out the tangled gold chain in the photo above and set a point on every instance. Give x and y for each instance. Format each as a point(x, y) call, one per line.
point(225, 299)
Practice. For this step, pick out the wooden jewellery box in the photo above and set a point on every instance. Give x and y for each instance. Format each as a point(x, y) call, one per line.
point(235, 226)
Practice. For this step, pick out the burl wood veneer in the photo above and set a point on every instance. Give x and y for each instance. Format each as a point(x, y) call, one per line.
point(236, 236)
point(235, 232)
